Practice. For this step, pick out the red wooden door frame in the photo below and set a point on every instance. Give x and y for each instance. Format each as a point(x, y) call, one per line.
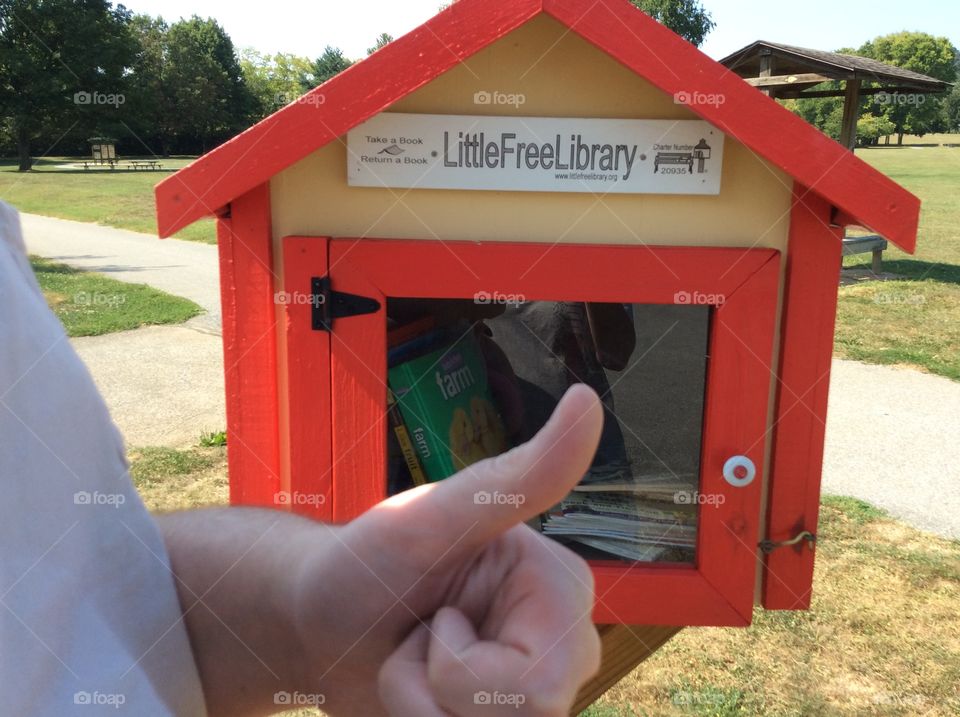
point(247, 282)
point(719, 590)
point(310, 487)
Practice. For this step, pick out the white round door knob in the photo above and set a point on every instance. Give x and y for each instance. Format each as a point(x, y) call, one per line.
point(739, 471)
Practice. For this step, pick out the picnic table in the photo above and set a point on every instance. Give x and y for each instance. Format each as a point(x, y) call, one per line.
point(145, 164)
point(112, 163)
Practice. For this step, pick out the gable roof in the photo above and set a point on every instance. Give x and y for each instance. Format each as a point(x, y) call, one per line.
point(836, 65)
point(617, 28)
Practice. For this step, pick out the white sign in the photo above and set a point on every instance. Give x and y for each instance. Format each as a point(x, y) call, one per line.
point(535, 154)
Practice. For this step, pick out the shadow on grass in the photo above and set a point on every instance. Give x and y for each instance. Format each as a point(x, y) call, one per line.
point(42, 266)
point(914, 270)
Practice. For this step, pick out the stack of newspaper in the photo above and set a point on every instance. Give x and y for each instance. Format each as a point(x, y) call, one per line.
point(641, 518)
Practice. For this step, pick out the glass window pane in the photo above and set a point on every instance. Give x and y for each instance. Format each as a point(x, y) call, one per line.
point(469, 379)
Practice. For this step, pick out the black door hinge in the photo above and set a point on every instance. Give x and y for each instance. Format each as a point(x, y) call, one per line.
point(329, 304)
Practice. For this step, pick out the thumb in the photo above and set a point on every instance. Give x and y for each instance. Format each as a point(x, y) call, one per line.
point(489, 497)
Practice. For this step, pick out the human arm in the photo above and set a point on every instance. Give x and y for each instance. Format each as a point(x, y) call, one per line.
point(426, 600)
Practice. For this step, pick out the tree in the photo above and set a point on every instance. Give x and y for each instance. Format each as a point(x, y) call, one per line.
point(824, 113)
point(951, 103)
point(383, 40)
point(688, 18)
point(330, 63)
point(871, 128)
point(62, 67)
point(149, 99)
point(273, 80)
point(951, 110)
point(917, 51)
point(205, 82)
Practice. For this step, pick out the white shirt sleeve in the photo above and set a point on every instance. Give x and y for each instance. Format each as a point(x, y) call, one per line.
point(90, 623)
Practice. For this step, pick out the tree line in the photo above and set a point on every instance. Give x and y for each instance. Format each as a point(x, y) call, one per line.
point(73, 70)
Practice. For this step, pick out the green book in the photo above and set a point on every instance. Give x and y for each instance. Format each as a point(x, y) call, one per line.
point(447, 407)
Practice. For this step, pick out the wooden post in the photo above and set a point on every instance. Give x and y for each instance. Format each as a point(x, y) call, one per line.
point(766, 70)
point(877, 262)
point(624, 647)
point(851, 113)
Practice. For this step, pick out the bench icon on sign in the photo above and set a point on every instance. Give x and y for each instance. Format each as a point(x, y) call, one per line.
point(681, 158)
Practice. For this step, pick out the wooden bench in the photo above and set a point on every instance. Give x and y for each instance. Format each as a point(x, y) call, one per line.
point(861, 245)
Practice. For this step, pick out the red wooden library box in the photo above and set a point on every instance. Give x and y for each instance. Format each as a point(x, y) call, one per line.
point(543, 163)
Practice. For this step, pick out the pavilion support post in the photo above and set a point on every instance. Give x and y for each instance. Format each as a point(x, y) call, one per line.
point(851, 113)
point(766, 70)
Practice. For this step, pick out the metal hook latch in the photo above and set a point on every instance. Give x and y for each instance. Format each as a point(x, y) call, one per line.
point(768, 546)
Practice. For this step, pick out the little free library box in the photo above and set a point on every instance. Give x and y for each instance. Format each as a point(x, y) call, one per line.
point(420, 255)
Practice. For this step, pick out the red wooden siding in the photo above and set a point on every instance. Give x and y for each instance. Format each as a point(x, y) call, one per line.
point(806, 347)
point(249, 348)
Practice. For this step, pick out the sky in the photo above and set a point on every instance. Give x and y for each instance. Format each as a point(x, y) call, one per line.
point(305, 28)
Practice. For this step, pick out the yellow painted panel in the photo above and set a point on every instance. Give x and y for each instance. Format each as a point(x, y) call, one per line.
point(558, 74)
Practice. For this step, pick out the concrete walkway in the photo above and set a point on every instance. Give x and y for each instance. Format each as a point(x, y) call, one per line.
point(183, 268)
point(163, 384)
point(892, 434)
point(893, 440)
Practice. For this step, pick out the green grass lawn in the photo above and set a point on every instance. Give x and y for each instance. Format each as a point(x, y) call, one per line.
point(90, 304)
point(118, 198)
point(914, 320)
